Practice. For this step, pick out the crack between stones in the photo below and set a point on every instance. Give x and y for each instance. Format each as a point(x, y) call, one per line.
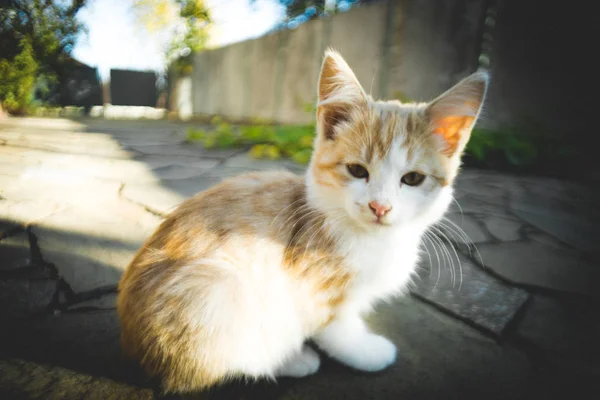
point(63, 288)
point(150, 210)
point(160, 214)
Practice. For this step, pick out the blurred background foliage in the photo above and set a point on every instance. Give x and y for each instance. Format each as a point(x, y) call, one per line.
point(36, 40)
point(185, 23)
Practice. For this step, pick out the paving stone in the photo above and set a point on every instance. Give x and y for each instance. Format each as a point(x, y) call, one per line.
point(534, 264)
point(165, 196)
point(59, 167)
point(24, 212)
point(157, 160)
point(464, 225)
point(481, 189)
point(60, 124)
point(244, 161)
point(48, 140)
point(91, 248)
point(22, 297)
point(564, 210)
point(14, 251)
point(546, 240)
point(186, 149)
point(468, 292)
point(155, 197)
point(106, 301)
point(503, 229)
point(569, 328)
point(469, 204)
point(22, 379)
point(581, 234)
point(8, 228)
point(54, 187)
point(84, 341)
point(174, 171)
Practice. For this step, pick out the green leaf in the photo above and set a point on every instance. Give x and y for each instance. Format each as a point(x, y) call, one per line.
point(257, 151)
point(303, 156)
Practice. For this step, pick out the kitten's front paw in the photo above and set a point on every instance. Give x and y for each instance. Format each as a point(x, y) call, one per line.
point(372, 353)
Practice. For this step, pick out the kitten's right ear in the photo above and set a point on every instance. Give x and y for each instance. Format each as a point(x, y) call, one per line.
point(339, 91)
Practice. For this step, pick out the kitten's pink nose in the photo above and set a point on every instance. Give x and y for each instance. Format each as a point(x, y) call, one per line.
point(379, 209)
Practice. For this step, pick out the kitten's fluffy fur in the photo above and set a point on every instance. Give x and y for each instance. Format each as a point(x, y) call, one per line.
point(237, 278)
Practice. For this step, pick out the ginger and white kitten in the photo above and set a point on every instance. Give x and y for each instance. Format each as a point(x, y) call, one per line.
point(239, 277)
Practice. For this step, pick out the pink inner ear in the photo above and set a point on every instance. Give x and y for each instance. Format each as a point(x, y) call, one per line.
point(451, 129)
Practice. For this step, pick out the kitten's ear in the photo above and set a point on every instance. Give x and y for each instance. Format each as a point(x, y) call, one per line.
point(454, 113)
point(339, 91)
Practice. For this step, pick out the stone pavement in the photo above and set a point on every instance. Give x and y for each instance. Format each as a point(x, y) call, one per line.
point(506, 304)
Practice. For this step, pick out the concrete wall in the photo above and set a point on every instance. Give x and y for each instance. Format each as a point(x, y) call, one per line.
point(410, 48)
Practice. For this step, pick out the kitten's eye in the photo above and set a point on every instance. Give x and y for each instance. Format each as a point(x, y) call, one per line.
point(358, 171)
point(413, 178)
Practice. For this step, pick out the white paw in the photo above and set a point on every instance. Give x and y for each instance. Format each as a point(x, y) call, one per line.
point(372, 353)
point(305, 363)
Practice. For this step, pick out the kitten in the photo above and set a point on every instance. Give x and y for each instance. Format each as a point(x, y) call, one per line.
point(238, 277)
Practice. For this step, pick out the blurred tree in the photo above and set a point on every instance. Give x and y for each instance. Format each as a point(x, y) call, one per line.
point(295, 8)
point(185, 23)
point(36, 39)
point(299, 11)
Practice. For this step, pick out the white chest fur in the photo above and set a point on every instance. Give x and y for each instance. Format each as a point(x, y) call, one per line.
point(382, 263)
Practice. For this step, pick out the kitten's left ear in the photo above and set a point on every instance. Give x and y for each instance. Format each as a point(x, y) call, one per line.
point(453, 114)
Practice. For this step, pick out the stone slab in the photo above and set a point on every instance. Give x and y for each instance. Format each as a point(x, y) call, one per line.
point(8, 228)
point(579, 233)
point(14, 251)
point(84, 341)
point(503, 229)
point(107, 301)
point(24, 212)
point(565, 210)
point(465, 290)
point(464, 224)
point(23, 379)
point(23, 297)
point(154, 197)
point(567, 328)
point(186, 149)
point(244, 161)
point(91, 246)
point(532, 263)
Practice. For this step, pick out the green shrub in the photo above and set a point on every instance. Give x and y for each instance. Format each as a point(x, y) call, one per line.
point(266, 142)
point(519, 146)
point(17, 79)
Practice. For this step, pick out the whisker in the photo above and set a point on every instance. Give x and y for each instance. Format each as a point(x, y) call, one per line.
point(459, 229)
point(462, 214)
point(446, 254)
point(437, 257)
point(455, 254)
point(283, 209)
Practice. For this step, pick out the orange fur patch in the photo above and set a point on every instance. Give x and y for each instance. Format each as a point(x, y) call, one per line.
point(451, 129)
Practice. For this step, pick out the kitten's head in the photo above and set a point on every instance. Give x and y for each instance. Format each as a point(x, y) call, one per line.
point(385, 163)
